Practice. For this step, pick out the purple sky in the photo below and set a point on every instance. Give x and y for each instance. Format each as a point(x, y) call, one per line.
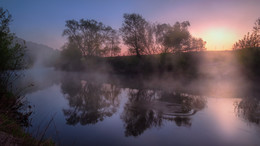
point(219, 22)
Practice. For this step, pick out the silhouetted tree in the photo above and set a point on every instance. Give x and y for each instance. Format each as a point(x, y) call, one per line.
point(177, 38)
point(137, 34)
point(70, 58)
point(11, 52)
point(160, 31)
point(197, 44)
point(112, 44)
point(11, 60)
point(91, 37)
point(250, 40)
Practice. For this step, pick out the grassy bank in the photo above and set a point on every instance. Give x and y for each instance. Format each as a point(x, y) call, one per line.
point(13, 121)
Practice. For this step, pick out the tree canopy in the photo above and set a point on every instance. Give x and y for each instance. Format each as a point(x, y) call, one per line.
point(135, 34)
point(177, 38)
point(142, 37)
point(92, 38)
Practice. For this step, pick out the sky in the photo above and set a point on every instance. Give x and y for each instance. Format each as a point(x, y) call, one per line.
point(219, 22)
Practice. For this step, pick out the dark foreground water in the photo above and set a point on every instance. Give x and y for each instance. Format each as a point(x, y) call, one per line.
point(90, 109)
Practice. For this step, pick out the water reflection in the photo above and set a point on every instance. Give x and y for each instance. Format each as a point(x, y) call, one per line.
point(148, 108)
point(137, 108)
point(89, 101)
point(249, 109)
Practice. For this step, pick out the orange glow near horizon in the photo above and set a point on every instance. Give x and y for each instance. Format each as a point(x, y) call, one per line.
point(219, 39)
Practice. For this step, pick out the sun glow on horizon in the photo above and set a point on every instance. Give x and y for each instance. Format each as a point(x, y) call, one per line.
point(219, 39)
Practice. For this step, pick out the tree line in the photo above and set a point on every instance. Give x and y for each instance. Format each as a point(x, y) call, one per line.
point(92, 38)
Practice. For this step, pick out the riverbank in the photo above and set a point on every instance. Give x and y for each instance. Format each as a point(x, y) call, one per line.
point(13, 122)
point(180, 65)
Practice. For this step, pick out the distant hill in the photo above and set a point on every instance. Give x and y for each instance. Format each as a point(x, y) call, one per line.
point(37, 55)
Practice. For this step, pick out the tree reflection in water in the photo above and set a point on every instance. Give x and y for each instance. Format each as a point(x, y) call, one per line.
point(138, 114)
point(90, 102)
point(148, 108)
point(249, 109)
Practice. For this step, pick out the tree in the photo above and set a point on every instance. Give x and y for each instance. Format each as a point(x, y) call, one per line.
point(176, 38)
point(70, 58)
point(112, 44)
point(250, 40)
point(90, 36)
point(159, 31)
point(137, 34)
point(11, 52)
point(11, 60)
point(196, 44)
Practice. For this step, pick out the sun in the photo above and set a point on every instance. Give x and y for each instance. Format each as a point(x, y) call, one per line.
point(219, 35)
point(219, 39)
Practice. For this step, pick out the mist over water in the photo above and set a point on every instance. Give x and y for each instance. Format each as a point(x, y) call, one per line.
point(217, 108)
point(223, 75)
point(147, 82)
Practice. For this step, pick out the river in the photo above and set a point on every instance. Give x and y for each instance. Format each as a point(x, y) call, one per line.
point(99, 109)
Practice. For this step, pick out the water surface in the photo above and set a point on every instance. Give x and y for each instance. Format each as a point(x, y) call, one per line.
point(96, 109)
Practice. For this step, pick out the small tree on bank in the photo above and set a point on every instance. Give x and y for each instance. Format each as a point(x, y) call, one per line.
point(250, 40)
